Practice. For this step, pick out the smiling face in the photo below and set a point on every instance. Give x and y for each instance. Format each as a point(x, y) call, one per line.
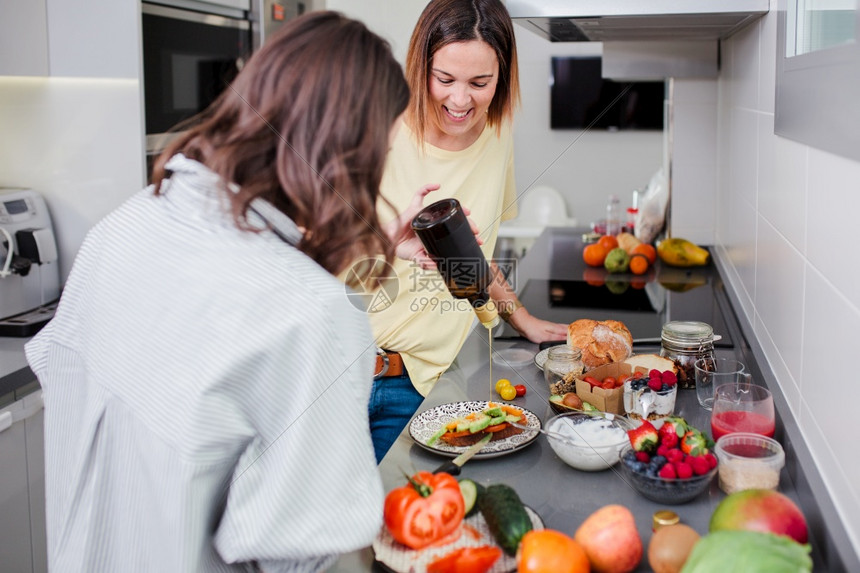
point(462, 83)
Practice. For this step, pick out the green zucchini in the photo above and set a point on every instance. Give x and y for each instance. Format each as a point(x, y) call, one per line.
point(505, 516)
point(471, 491)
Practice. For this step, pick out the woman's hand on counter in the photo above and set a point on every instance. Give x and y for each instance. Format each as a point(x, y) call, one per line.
point(536, 329)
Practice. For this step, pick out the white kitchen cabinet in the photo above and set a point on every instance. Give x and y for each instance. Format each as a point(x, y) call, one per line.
point(22, 487)
point(94, 38)
point(24, 38)
point(81, 39)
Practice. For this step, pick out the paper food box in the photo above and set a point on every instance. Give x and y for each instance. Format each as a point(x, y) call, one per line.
point(613, 400)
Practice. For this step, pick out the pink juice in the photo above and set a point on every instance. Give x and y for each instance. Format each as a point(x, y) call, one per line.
point(724, 423)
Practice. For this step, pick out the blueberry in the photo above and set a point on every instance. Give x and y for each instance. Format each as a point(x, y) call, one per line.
point(639, 467)
point(651, 472)
point(658, 461)
point(665, 387)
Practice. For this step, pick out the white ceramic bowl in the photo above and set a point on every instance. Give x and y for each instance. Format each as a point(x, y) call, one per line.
point(588, 441)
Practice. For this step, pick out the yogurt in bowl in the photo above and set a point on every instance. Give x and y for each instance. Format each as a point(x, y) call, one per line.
point(588, 441)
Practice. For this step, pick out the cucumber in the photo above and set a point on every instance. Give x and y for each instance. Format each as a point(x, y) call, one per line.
point(505, 516)
point(471, 492)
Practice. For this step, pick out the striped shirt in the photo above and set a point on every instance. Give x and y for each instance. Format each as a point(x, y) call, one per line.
point(205, 396)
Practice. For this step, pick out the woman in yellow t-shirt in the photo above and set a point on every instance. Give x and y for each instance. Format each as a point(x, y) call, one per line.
point(462, 71)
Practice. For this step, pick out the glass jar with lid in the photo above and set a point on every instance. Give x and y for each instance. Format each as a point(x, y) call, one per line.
point(684, 342)
point(563, 364)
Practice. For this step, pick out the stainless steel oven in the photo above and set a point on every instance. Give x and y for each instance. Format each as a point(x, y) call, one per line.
point(192, 49)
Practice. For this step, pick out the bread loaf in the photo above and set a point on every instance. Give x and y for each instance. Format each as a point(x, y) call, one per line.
point(601, 342)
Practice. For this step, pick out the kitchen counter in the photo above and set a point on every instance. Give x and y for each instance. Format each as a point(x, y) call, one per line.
point(16, 378)
point(561, 495)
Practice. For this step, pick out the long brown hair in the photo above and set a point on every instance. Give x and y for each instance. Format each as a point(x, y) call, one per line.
point(305, 125)
point(445, 22)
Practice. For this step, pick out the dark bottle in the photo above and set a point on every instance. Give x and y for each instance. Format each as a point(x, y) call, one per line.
point(447, 237)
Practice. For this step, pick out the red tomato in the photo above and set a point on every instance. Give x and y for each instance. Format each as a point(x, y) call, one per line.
point(466, 560)
point(496, 428)
point(429, 508)
point(592, 380)
point(521, 389)
point(609, 382)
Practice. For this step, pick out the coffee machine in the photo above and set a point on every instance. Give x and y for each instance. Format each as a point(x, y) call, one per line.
point(29, 267)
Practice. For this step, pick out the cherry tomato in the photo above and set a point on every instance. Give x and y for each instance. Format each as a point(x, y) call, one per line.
point(426, 510)
point(501, 384)
point(609, 382)
point(466, 560)
point(521, 389)
point(592, 381)
point(508, 392)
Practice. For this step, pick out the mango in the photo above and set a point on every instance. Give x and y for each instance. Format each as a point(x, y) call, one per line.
point(682, 253)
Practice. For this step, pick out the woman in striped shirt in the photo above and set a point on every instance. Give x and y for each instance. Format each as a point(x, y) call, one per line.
point(206, 376)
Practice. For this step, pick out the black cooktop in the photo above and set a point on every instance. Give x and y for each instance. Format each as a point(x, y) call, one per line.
point(642, 306)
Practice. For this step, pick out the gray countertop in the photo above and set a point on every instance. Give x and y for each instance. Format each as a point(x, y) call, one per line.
point(561, 495)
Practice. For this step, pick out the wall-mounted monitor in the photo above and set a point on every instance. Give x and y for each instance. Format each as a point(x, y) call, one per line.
point(581, 98)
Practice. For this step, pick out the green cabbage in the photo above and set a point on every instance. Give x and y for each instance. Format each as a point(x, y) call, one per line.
point(723, 551)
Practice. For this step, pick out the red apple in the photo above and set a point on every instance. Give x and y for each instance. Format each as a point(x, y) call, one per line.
point(611, 540)
point(761, 510)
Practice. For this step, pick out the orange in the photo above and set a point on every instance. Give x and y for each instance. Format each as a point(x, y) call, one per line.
point(550, 551)
point(594, 254)
point(639, 264)
point(608, 242)
point(594, 277)
point(645, 249)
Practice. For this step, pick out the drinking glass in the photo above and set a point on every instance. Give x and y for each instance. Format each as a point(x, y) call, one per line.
point(742, 407)
point(712, 372)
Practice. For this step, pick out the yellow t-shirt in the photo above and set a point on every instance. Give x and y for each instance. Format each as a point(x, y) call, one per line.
point(424, 322)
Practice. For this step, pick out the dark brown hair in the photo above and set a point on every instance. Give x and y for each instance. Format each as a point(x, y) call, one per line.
point(305, 125)
point(445, 22)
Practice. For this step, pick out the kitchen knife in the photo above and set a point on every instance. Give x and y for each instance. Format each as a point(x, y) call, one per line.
point(453, 467)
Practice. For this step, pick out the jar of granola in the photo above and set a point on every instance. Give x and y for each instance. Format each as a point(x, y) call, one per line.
point(563, 364)
point(684, 342)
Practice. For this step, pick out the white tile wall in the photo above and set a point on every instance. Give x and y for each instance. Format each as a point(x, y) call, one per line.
point(786, 219)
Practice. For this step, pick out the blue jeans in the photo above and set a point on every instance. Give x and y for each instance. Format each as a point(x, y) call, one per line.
point(393, 402)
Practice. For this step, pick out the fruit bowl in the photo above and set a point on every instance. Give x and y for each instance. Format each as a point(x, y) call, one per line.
point(671, 491)
point(588, 441)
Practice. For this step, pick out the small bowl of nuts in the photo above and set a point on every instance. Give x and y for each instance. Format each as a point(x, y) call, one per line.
point(749, 461)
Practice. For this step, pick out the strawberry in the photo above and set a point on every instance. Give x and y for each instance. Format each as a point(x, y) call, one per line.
point(667, 472)
point(675, 456)
point(668, 437)
point(700, 465)
point(662, 449)
point(678, 423)
point(644, 438)
point(711, 459)
point(694, 443)
point(684, 470)
point(643, 457)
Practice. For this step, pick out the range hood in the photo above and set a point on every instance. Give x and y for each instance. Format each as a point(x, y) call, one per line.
point(635, 20)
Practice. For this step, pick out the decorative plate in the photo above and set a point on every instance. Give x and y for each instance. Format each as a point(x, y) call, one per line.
point(425, 425)
point(540, 358)
point(475, 533)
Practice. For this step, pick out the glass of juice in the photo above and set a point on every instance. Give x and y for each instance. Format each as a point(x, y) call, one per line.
point(742, 407)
